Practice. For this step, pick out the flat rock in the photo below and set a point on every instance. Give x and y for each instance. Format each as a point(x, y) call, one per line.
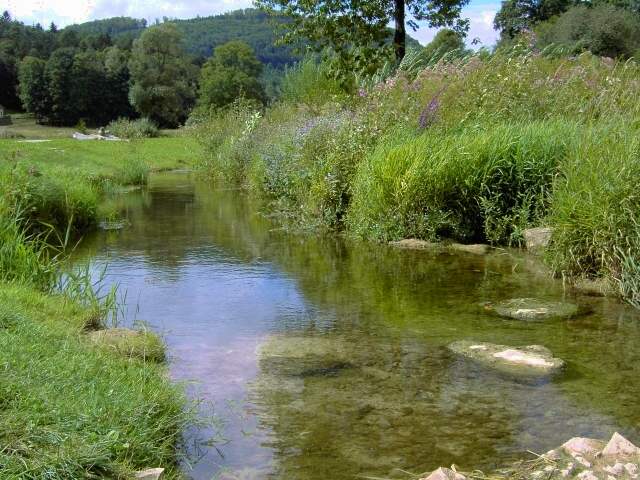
point(150, 474)
point(620, 447)
point(528, 360)
point(536, 239)
point(532, 309)
point(578, 446)
point(414, 244)
point(475, 248)
point(444, 474)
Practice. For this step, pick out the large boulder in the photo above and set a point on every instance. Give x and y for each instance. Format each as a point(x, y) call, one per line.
point(528, 360)
point(532, 309)
point(537, 239)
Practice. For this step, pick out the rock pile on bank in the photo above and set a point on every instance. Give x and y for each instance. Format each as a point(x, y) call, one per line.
point(579, 458)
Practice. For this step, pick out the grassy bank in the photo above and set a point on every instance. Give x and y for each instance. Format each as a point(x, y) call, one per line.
point(74, 404)
point(61, 182)
point(475, 149)
point(71, 410)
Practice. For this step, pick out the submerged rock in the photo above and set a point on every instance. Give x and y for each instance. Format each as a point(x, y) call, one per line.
point(113, 224)
point(475, 248)
point(415, 244)
point(529, 360)
point(444, 474)
point(595, 287)
point(536, 239)
point(531, 309)
point(130, 343)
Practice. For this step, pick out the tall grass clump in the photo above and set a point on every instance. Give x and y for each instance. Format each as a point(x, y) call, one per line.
point(24, 258)
point(133, 129)
point(484, 185)
point(596, 209)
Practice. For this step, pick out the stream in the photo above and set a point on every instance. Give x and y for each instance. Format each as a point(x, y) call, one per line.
point(325, 358)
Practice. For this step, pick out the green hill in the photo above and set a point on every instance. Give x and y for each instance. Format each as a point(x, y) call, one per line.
point(203, 34)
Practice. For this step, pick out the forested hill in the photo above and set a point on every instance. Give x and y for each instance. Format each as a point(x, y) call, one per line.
point(203, 34)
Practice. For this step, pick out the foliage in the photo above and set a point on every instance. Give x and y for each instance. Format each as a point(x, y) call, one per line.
point(603, 29)
point(445, 42)
point(33, 86)
point(231, 73)
point(357, 32)
point(473, 147)
point(140, 128)
point(518, 16)
point(310, 83)
point(163, 80)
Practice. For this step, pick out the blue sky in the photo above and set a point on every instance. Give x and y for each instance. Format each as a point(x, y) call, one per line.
point(65, 12)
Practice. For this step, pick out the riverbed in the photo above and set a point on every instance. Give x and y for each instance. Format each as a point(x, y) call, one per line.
point(326, 358)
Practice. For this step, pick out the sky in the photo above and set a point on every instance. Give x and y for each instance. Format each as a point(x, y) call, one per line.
point(66, 12)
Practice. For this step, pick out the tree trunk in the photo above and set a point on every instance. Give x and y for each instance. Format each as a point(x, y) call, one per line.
point(400, 36)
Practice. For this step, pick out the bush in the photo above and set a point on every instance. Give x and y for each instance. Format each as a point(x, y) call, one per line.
point(603, 29)
point(131, 129)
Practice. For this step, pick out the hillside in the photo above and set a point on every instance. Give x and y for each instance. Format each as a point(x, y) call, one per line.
point(203, 34)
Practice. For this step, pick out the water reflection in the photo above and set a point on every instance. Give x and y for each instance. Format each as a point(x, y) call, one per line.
point(328, 358)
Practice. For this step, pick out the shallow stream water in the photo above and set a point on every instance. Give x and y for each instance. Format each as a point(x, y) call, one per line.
point(326, 358)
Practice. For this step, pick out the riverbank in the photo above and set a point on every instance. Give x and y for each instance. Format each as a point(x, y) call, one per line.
point(475, 151)
point(75, 403)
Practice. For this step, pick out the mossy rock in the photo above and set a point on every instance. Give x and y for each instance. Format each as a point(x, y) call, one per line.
point(532, 309)
point(528, 360)
point(303, 357)
point(130, 343)
point(415, 244)
point(474, 248)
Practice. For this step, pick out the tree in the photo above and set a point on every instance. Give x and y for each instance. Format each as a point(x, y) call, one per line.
point(33, 87)
point(357, 30)
point(163, 79)
point(60, 80)
point(445, 41)
point(517, 16)
point(602, 29)
point(231, 73)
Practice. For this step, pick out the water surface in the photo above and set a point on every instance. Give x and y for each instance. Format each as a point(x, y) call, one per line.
point(326, 358)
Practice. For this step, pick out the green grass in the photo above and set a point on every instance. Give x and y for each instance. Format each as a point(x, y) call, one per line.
point(477, 148)
point(62, 182)
point(69, 409)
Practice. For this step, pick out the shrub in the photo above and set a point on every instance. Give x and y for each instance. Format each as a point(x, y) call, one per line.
point(603, 29)
point(131, 129)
